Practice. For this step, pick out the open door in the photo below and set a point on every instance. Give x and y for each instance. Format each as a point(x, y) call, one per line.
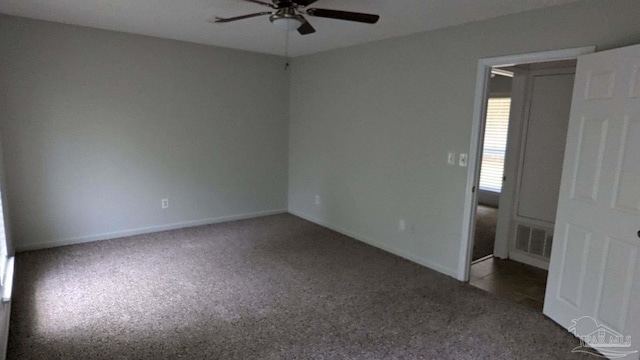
point(593, 288)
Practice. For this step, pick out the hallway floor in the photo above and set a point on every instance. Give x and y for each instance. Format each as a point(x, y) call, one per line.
point(511, 280)
point(485, 235)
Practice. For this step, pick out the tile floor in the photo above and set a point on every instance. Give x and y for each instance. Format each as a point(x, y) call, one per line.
point(518, 282)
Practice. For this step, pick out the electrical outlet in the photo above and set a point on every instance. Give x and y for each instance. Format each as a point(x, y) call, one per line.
point(318, 200)
point(451, 159)
point(165, 203)
point(402, 225)
point(464, 158)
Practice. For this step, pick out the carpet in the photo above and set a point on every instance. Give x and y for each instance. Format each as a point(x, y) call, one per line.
point(276, 287)
point(485, 235)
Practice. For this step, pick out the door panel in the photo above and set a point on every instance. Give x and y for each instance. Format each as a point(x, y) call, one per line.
point(594, 269)
point(627, 187)
point(593, 134)
point(546, 131)
point(617, 276)
point(575, 254)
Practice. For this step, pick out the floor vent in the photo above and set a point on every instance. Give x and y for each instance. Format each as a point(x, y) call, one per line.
point(534, 240)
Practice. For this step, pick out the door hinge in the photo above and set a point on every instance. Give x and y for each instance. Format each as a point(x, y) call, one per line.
point(473, 189)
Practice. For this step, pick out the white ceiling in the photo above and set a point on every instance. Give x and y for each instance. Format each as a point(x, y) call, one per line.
point(187, 19)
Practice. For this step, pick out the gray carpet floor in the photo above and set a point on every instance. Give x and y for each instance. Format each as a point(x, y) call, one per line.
point(276, 287)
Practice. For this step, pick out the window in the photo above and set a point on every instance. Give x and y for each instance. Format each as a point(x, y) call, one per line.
point(495, 144)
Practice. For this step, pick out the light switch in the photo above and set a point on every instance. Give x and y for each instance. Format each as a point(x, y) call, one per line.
point(451, 159)
point(463, 160)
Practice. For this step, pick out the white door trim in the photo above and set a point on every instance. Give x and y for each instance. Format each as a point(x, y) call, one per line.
point(479, 113)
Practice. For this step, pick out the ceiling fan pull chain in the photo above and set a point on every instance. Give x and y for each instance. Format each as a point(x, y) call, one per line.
point(286, 51)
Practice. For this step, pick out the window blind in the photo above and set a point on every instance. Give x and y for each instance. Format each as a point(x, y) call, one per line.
point(495, 144)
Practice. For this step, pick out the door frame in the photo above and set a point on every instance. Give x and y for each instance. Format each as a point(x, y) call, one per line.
point(477, 138)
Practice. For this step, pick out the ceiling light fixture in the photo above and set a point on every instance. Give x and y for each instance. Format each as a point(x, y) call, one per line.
point(502, 72)
point(287, 20)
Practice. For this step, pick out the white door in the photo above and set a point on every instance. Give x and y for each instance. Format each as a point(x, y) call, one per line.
point(594, 274)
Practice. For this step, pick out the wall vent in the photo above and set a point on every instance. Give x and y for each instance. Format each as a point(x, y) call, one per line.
point(534, 240)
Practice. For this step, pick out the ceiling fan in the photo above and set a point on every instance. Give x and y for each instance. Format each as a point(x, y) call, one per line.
point(288, 15)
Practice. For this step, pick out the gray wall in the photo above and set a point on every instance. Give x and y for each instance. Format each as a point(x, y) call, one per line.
point(98, 126)
point(500, 86)
point(371, 125)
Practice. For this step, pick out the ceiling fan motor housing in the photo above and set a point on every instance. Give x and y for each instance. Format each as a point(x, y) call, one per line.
point(282, 4)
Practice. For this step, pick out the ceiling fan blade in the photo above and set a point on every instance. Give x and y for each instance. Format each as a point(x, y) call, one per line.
point(262, 3)
point(304, 2)
point(306, 29)
point(344, 15)
point(226, 20)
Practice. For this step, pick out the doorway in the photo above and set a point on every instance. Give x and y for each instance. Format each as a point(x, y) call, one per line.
point(493, 155)
point(593, 268)
point(508, 242)
point(538, 126)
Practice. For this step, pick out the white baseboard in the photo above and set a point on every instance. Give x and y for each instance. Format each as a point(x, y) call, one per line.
point(529, 260)
point(145, 230)
point(378, 244)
